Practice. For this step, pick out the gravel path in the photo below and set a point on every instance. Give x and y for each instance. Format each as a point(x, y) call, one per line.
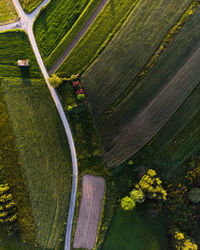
point(79, 36)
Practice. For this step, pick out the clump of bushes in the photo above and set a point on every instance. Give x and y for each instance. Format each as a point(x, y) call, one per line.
point(181, 241)
point(55, 81)
point(148, 186)
point(7, 205)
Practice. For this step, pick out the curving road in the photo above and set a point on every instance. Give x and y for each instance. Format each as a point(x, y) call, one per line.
point(26, 23)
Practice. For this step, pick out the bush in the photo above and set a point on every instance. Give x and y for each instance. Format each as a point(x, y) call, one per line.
point(81, 97)
point(182, 241)
point(69, 108)
point(55, 81)
point(130, 163)
point(151, 185)
point(194, 195)
point(137, 195)
point(127, 203)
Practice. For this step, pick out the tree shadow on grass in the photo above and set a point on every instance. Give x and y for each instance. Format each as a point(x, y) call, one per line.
point(25, 74)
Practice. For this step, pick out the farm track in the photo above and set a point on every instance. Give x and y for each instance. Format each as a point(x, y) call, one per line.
point(78, 38)
point(93, 188)
point(146, 124)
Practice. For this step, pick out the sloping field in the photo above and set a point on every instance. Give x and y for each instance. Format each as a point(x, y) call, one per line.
point(90, 211)
point(178, 139)
point(29, 5)
point(55, 21)
point(130, 49)
point(73, 34)
point(147, 123)
point(106, 23)
point(137, 230)
point(40, 139)
point(7, 12)
point(177, 54)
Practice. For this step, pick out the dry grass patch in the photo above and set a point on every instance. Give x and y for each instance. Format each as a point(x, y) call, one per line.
point(7, 12)
point(90, 211)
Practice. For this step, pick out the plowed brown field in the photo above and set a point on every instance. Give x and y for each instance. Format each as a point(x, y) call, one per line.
point(90, 211)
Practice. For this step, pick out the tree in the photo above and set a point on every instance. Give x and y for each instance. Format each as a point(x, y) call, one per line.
point(137, 195)
point(127, 203)
point(81, 97)
point(55, 81)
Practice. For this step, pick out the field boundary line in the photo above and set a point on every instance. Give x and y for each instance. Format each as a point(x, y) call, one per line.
point(79, 36)
point(167, 40)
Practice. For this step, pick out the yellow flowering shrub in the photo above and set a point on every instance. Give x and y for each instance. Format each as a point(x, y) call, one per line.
point(182, 242)
point(4, 188)
point(137, 195)
point(127, 203)
point(7, 205)
point(179, 236)
point(151, 184)
point(193, 174)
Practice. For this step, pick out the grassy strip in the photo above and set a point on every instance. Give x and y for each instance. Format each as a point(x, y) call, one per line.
point(100, 32)
point(72, 33)
point(30, 5)
point(164, 44)
point(54, 22)
point(40, 139)
point(7, 12)
point(13, 175)
point(87, 146)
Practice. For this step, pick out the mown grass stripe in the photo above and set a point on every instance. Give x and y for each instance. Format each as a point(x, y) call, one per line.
point(71, 34)
point(153, 60)
point(101, 31)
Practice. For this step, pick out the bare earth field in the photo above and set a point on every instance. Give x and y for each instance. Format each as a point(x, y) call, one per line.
point(90, 211)
point(145, 125)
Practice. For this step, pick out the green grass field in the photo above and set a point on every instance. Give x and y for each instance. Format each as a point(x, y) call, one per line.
point(137, 230)
point(11, 51)
point(107, 21)
point(40, 139)
point(29, 5)
point(71, 34)
point(54, 22)
point(7, 12)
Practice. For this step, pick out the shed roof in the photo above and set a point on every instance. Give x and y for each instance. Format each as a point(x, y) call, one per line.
point(23, 63)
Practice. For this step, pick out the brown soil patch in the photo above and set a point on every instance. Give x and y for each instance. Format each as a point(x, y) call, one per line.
point(90, 211)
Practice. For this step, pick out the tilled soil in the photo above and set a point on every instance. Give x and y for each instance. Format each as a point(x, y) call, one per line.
point(93, 188)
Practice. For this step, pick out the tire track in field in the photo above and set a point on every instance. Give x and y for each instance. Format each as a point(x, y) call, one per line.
point(145, 125)
point(79, 36)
